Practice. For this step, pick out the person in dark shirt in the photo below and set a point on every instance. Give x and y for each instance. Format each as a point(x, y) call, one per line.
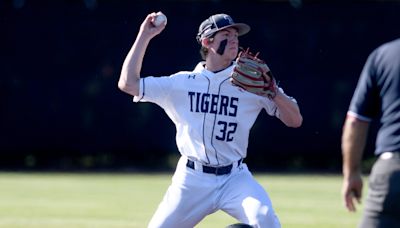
point(377, 97)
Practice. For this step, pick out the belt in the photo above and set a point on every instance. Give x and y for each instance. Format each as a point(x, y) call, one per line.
point(222, 170)
point(389, 155)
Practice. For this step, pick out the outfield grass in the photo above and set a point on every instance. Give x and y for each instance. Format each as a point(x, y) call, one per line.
point(128, 200)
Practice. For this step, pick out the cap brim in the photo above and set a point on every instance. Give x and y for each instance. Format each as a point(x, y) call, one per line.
point(241, 27)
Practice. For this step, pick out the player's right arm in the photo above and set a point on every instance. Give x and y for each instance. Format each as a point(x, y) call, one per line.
point(129, 80)
point(354, 139)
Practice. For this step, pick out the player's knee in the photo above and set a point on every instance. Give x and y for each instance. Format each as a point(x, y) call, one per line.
point(263, 216)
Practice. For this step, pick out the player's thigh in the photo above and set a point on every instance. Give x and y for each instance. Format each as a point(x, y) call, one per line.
point(187, 201)
point(178, 210)
point(248, 201)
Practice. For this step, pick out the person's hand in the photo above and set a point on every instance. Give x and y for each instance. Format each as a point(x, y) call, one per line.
point(148, 29)
point(352, 190)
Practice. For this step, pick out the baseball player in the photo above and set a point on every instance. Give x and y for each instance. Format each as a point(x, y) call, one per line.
point(213, 118)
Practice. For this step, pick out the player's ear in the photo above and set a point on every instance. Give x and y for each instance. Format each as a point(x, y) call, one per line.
point(207, 41)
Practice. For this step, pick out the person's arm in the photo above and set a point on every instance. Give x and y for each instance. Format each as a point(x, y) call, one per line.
point(288, 109)
point(129, 80)
point(354, 138)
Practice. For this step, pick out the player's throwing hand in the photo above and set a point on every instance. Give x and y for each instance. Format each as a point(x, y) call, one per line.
point(148, 29)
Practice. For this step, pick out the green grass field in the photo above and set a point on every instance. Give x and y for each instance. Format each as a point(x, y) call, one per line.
point(128, 200)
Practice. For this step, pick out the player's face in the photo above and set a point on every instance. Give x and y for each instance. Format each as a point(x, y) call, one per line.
point(232, 45)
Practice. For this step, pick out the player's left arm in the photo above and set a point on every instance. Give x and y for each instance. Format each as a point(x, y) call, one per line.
point(289, 111)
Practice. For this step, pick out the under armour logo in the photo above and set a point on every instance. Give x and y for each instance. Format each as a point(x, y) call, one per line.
point(191, 76)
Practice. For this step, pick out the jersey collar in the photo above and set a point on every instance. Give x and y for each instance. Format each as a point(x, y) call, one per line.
point(200, 68)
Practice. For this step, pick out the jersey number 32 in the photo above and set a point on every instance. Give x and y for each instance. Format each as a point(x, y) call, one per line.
point(226, 131)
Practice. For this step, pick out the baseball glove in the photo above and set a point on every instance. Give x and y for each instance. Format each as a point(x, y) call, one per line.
point(253, 75)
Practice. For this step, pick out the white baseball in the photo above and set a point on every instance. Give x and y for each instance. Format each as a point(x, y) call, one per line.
point(160, 19)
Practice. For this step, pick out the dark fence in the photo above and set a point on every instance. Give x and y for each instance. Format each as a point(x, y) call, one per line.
point(60, 61)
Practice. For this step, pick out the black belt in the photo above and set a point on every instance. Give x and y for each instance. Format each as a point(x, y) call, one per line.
point(222, 170)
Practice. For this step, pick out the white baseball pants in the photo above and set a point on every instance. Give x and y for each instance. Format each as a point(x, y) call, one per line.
point(193, 195)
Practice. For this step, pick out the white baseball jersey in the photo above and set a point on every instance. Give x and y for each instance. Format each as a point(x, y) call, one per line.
point(213, 118)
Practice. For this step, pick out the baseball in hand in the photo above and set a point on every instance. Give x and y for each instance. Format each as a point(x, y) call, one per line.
point(160, 19)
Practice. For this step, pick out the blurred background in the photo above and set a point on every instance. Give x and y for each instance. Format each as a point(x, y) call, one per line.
point(60, 108)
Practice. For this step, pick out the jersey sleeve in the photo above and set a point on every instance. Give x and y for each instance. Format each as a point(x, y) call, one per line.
point(154, 89)
point(270, 106)
point(364, 104)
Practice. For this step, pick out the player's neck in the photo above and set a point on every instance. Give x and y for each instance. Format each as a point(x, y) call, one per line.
point(216, 65)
